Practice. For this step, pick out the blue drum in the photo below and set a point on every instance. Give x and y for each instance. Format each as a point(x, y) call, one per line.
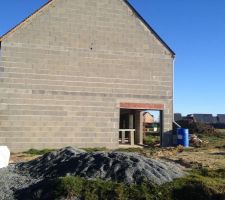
point(183, 137)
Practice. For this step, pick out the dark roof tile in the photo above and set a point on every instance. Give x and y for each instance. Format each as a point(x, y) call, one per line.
point(177, 116)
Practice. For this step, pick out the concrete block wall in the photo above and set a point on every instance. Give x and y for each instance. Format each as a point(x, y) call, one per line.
point(64, 72)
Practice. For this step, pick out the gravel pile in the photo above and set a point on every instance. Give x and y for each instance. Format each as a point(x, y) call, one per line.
point(11, 181)
point(114, 166)
point(50, 164)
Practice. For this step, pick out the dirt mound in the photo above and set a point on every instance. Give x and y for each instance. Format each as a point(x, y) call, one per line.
point(113, 166)
point(197, 127)
point(11, 181)
point(49, 163)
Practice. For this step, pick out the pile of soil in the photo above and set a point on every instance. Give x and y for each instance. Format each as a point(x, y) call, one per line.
point(128, 168)
point(197, 127)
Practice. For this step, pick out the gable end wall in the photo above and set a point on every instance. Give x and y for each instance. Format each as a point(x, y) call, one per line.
point(65, 72)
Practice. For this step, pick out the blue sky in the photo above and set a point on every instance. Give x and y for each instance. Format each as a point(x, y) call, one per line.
point(194, 29)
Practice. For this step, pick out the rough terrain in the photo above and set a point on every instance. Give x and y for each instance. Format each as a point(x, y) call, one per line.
point(213, 158)
point(114, 166)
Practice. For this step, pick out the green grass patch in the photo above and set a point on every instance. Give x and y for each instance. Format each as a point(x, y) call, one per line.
point(38, 152)
point(221, 130)
point(131, 150)
point(100, 190)
point(219, 173)
point(96, 149)
point(190, 149)
point(201, 185)
point(213, 140)
point(146, 151)
point(151, 139)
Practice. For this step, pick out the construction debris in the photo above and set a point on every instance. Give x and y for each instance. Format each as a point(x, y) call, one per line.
point(197, 142)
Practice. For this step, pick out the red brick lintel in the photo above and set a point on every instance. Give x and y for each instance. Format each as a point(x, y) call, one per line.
point(142, 106)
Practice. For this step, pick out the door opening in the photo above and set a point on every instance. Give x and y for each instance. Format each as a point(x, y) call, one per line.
point(140, 127)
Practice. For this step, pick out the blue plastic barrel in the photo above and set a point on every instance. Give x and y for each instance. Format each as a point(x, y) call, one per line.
point(183, 137)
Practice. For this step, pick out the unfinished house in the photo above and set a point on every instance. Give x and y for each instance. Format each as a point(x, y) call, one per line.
point(81, 73)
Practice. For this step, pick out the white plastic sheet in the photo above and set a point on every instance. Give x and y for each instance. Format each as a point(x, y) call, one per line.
point(4, 156)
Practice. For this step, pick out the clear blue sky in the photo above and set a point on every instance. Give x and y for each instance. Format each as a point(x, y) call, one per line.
point(194, 29)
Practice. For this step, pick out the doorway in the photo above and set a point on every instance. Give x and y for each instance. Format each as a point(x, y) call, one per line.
point(152, 128)
point(133, 129)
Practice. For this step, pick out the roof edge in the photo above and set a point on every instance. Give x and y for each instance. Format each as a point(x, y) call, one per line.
point(149, 27)
point(14, 28)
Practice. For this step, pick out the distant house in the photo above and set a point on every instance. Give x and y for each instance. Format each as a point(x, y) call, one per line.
point(76, 72)
point(221, 118)
point(215, 120)
point(177, 116)
point(203, 118)
point(148, 117)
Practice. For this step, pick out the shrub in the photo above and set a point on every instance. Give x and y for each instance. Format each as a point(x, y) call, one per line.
point(202, 184)
point(151, 140)
point(69, 187)
point(199, 184)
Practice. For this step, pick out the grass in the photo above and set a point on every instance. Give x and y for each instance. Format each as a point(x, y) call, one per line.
point(214, 140)
point(151, 139)
point(44, 151)
point(38, 152)
point(96, 149)
point(201, 185)
point(221, 130)
point(148, 151)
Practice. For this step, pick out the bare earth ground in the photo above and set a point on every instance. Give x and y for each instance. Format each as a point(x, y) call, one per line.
point(21, 157)
point(211, 155)
point(212, 158)
point(207, 182)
